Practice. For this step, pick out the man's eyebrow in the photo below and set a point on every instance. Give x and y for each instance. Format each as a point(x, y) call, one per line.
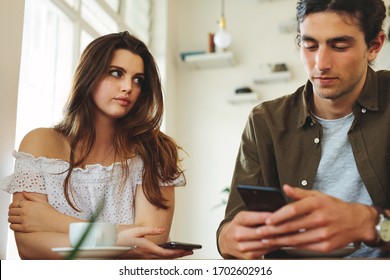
point(308, 38)
point(339, 39)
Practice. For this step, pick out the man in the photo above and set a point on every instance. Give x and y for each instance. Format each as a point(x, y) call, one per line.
point(327, 146)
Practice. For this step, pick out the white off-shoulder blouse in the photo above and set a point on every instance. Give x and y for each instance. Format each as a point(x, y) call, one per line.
point(89, 186)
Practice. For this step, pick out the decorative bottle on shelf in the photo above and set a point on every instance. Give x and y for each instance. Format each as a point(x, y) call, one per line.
point(211, 43)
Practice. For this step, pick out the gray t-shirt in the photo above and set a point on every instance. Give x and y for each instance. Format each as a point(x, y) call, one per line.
point(337, 174)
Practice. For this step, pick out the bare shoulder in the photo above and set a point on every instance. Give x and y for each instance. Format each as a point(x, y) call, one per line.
point(45, 142)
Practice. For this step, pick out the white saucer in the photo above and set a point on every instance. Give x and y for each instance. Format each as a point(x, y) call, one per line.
point(94, 253)
point(339, 253)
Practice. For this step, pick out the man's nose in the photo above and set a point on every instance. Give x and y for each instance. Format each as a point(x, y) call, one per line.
point(323, 59)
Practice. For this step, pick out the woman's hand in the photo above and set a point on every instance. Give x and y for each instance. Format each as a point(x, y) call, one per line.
point(144, 248)
point(31, 212)
point(147, 214)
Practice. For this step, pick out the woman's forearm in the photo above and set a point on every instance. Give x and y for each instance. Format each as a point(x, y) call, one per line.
point(38, 245)
point(31, 212)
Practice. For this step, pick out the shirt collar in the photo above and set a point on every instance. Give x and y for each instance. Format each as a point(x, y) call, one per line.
point(370, 94)
point(367, 99)
point(304, 110)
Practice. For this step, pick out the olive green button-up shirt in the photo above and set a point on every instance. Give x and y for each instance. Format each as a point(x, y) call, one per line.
point(281, 143)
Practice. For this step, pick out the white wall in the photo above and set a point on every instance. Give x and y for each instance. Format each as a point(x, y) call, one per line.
point(11, 15)
point(207, 126)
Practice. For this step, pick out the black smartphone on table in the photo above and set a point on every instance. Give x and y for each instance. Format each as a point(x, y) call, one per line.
point(180, 245)
point(259, 198)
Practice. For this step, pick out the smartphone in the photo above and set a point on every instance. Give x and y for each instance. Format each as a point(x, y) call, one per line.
point(258, 198)
point(180, 245)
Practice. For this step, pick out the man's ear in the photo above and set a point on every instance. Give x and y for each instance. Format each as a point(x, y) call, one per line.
point(375, 46)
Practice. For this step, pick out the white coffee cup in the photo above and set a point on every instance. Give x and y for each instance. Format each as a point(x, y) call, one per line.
point(100, 234)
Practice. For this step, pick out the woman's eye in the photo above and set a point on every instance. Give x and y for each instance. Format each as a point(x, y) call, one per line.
point(139, 80)
point(116, 73)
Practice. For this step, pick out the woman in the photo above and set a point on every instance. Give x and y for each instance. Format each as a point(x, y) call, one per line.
point(108, 147)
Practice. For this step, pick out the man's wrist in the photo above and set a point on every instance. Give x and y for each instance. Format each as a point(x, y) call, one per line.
point(372, 237)
point(220, 243)
point(380, 216)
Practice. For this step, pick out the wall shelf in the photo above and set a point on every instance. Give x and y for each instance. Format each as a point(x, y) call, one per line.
point(282, 76)
point(238, 98)
point(210, 60)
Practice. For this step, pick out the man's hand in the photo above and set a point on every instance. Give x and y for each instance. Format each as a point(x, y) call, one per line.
point(241, 237)
point(319, 222)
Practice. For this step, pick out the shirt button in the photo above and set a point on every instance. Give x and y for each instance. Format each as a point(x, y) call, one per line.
point(304, 183)
point(364, 110)
point(316, 140)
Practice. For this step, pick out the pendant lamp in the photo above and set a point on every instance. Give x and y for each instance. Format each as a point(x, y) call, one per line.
point(222, 38)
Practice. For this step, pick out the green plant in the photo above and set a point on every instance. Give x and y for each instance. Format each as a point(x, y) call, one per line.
point(225, 193)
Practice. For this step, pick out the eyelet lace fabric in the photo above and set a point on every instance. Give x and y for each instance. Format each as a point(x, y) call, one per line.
point(89, 186)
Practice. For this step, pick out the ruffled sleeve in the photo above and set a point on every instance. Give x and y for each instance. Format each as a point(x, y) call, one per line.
point(27, 175)
point(178, 182)
point(138, 169)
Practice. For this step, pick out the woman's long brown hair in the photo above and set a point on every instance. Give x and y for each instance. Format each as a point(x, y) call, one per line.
point(136, 133)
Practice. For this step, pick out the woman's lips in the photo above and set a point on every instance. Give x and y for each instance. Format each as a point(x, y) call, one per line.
point(122, 100)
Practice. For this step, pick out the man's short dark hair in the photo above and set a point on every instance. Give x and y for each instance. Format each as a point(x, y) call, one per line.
point(368, 14)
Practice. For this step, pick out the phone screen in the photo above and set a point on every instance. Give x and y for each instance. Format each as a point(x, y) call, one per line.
point(258, 198)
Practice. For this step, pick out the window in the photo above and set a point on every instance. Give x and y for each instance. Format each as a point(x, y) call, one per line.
point(47, 62)
point(55, 33)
